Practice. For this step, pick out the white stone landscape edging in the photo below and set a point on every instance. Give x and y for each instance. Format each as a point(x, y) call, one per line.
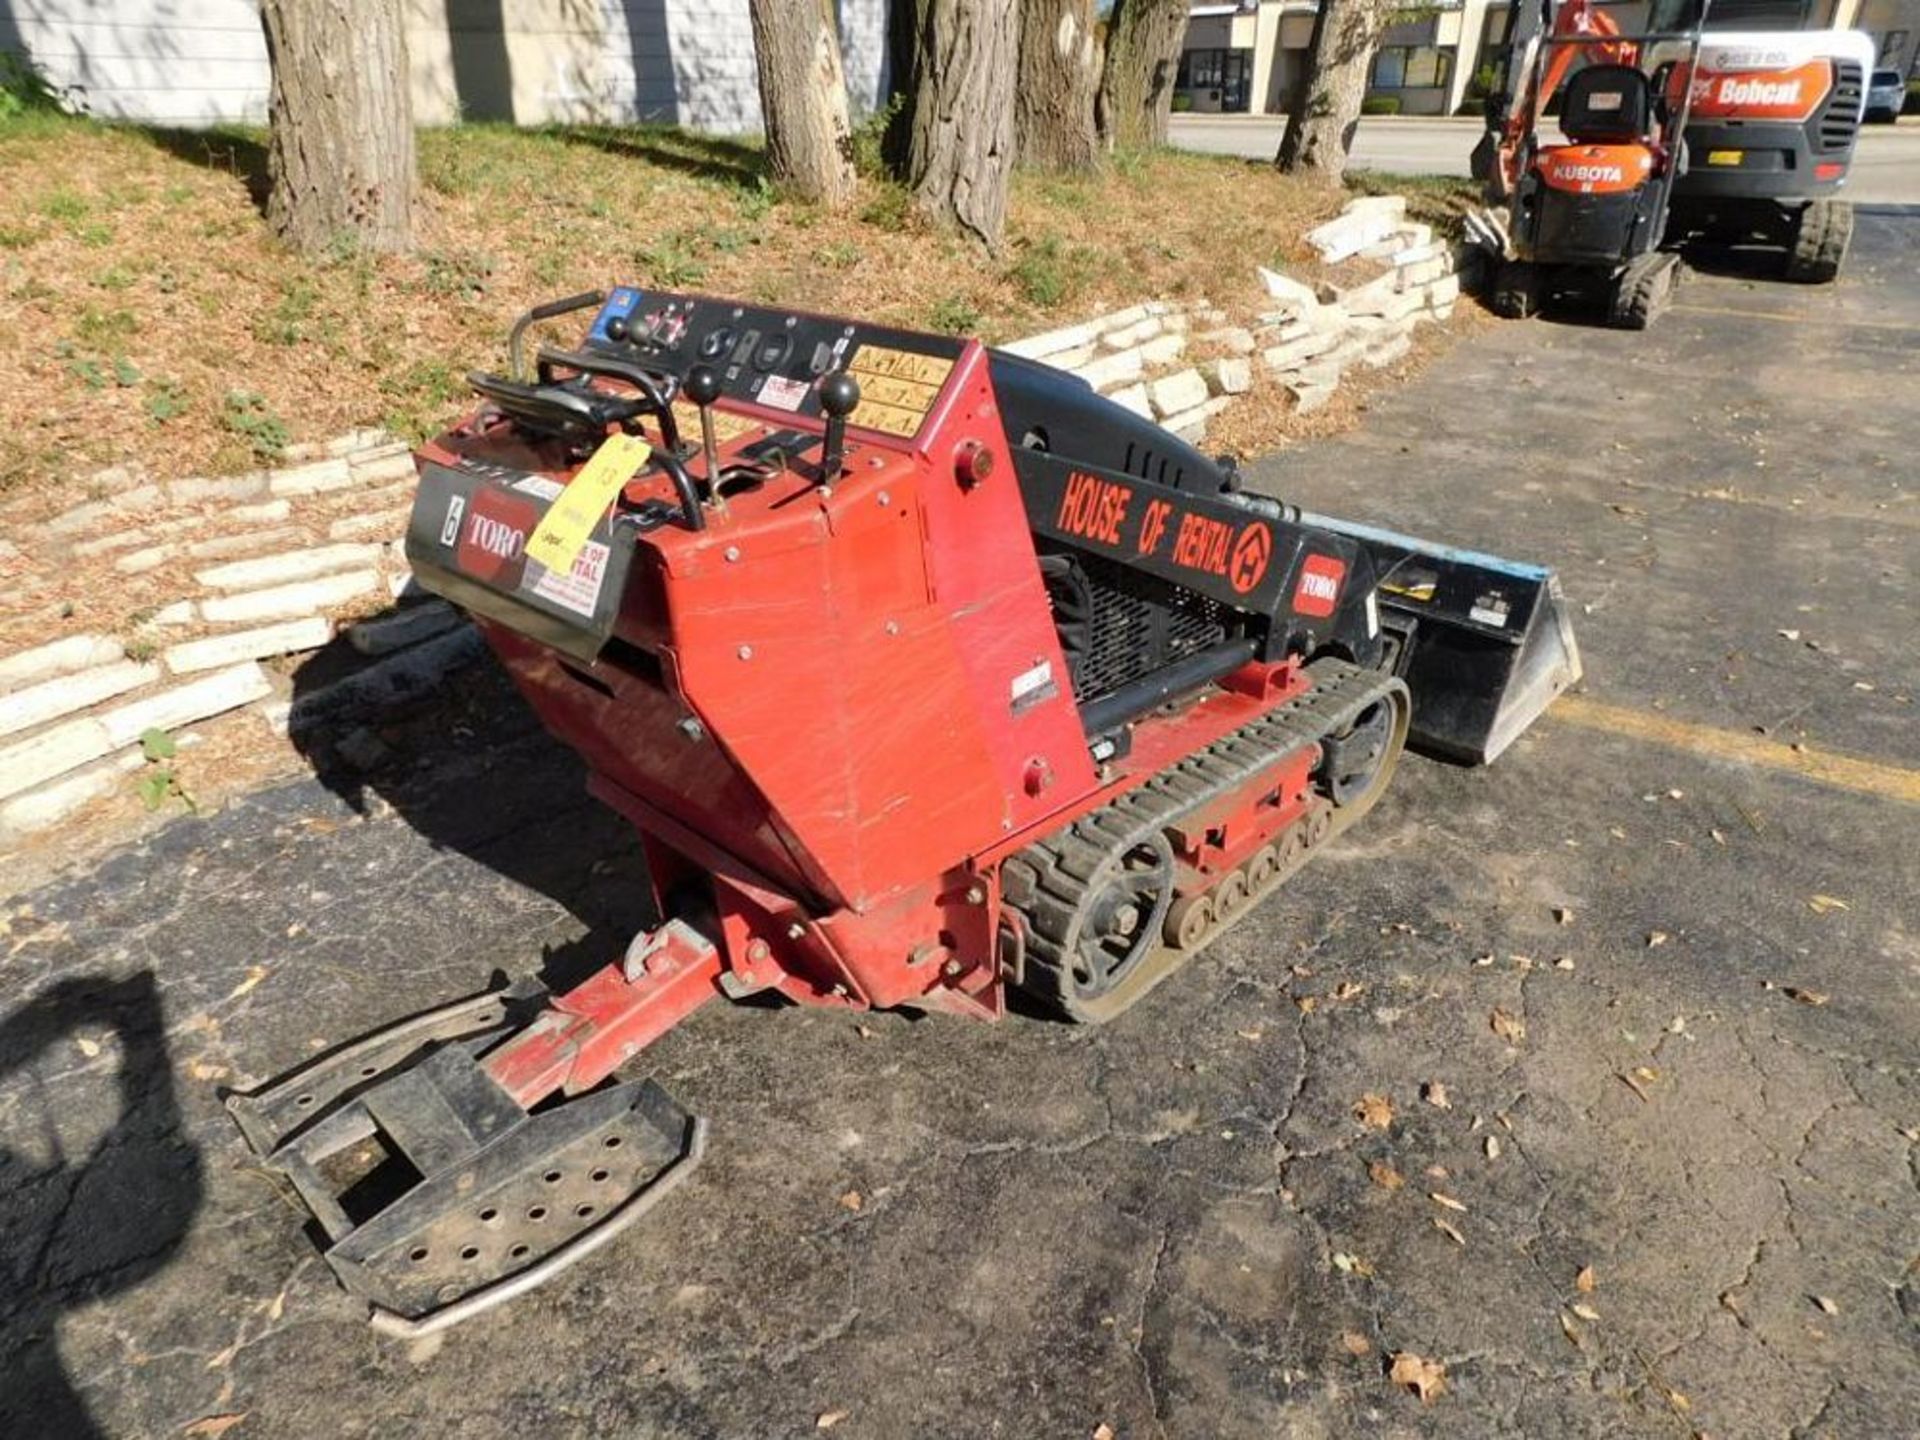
point(1311, 337)
point(296, 544)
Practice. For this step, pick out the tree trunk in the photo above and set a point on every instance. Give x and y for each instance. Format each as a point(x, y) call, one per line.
point(803, 99)
point(1059, 75)
point(340, 155)
point(1143, 56)
point(964, 62)
point(1326, 110)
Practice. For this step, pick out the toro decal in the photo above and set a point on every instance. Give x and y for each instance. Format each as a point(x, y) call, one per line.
point(1317, 592)
point(493, 541)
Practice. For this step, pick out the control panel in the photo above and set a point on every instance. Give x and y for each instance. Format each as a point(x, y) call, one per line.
point(773, 360)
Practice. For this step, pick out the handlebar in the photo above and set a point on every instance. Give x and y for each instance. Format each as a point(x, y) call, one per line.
point(516, 361)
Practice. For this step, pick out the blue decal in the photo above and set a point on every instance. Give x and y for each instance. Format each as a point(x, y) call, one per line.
point(1430, 548)
point(621, 303)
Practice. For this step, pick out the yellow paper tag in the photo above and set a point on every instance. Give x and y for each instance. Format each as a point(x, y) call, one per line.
point(1725, 157)
point(564, 529)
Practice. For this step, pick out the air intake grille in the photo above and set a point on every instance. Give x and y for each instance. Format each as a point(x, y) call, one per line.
point(1134, 625)
point(1839, 119)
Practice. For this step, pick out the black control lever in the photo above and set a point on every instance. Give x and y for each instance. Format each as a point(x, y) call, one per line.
point(839, 394)
point(702, 387)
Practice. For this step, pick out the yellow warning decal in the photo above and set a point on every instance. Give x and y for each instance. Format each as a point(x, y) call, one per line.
point(562, 532)
point(897, 388)
point(1725, 157)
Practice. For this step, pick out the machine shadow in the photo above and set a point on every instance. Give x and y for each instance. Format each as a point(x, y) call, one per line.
point(96, 1192)
point(469, 769)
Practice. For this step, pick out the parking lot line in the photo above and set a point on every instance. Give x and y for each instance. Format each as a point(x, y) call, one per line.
point(1845, 772)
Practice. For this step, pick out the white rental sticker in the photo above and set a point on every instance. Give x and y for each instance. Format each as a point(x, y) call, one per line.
point(1032, 686)
point(1489, 610)
point(450, 527)
point(548, 490)
point(1373, 613)
point(579, 589)
point(782, 393)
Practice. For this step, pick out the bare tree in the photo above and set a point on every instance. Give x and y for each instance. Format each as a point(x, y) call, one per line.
point(1143, 56)
point(963, 59)
point(340, 154)
point(1059, 77)
point(1326, 105)
point(803, 99)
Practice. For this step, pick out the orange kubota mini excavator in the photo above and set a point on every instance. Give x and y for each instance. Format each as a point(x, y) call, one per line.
point(924, 672)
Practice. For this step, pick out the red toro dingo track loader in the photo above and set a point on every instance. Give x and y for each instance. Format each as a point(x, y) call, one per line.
point(924, 672)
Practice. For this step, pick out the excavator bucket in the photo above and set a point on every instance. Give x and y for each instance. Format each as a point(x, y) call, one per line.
point(1485, 643)
point(442, 1185)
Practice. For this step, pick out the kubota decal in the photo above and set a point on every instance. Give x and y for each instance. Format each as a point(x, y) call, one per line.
point(1318, 591)
point(1595, 169)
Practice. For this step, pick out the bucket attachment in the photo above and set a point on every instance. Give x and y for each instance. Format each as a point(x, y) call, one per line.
point(1485, 643)
point(443, 1185)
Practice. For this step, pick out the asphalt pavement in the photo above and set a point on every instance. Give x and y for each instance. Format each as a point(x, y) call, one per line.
point(1886, 169)
point(1588, 1078)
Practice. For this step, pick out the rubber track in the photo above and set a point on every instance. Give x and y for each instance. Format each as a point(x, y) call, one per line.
point(1047, 882)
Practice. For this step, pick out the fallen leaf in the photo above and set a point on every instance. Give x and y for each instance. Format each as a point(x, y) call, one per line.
point(1348, 990)
point(1483, 960)
point(1374, 1111)
point(1447, 1230)
point(827, 1419)
point(851, 1200)
point(1568, 1328)
point(1646, 1073)
point(208, 1426)
point(1632, 1082)
point(1719, 836)
point(1441, 1198)
point(1788, 634)
point(1823, 904)
point(1676, 794)
point(863, 1031)
point(1385, 1176)
point(1103, 1431)
point(1656, 938)
point(1565, 962)
point(1678, 1401)
point(201, 1070)
point(1248, 1034)
point(1348, 1264)
point(1584, 1281)
point(1435, 1094)
point(1356, 1344)
point(1522, 962)
point(1586, 1312)
point(1805, 997)
point(1510, 1028)
point(1436, 1172)
point(1425, 1378)
point(88, 1048)
point(1677, 1025)
point(1563, 915)
point(1827, 1307)
point(1306, 1003)
point(1493, 1147)
point(255, 974)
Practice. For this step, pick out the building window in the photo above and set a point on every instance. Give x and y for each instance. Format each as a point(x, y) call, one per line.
point(1201, 70)
point(1411, 67)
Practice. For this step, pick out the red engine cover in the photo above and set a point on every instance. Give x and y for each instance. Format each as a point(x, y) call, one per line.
point(1595, 169)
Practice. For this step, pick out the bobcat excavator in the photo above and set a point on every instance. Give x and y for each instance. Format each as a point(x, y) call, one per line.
point(924, 673)
point(1766, 107)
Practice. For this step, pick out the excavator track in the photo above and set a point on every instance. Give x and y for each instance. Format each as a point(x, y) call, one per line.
point(1068, 889)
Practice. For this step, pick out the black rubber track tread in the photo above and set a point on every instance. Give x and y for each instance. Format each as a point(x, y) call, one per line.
point(1046, 882)
point(1820, 242)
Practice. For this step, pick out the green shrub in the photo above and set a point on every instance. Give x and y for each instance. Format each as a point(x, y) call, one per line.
point(247, 414)
point(1047, 272)
point(1380, 105)
point(24, 90)
point(870, 136)
point(954, 315)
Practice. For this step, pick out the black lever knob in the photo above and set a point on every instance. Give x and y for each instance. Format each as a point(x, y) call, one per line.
point(839, 395)
point(702, 385)
point(618, 329)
